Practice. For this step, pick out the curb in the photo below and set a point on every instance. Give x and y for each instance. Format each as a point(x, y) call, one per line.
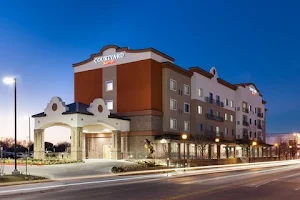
point(24, 182)
point(12, 164)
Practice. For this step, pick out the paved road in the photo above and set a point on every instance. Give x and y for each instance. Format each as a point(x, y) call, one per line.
point(69, 170)
point(274, 183)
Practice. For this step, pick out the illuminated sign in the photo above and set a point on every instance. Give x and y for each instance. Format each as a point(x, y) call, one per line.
point(253, 91)
point(109, 59)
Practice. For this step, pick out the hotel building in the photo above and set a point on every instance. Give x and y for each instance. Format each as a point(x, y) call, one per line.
point(128, 102)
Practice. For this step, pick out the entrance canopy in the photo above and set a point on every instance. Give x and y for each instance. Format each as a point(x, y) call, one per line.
point(94, 118)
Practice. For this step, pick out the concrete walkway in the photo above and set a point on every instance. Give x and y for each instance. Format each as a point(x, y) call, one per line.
point(89, 168)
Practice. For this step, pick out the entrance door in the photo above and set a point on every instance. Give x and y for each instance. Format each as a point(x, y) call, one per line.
point(93, 148)
point(106, 152)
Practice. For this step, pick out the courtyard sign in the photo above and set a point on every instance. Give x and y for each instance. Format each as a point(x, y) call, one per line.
point(109, 59)
point(254, 91)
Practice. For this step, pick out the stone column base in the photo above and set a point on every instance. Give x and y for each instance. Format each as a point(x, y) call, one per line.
point(116, 155)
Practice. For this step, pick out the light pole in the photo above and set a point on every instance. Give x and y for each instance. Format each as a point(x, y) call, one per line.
point(13, 81)
point(276, 146)
point(254, 143)
point(29, 140)
point(184, 137)
point(290, 146)
point(217, 140)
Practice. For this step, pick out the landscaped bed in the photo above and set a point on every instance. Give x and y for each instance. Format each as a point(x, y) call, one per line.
point(139, 166)
point(39, 162)
point(20, 179)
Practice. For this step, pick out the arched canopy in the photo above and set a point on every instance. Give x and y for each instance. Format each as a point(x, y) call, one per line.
point(93, 118)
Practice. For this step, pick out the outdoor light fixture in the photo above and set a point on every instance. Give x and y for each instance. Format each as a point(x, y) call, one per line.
point(163, 140)
point(9, 80)
point(184, 136)
point(290, 146)
point(254, 143)
point(276, 145)
point(217, 140)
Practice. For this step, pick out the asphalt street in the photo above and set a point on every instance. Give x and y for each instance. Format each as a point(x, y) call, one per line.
point(274, 183)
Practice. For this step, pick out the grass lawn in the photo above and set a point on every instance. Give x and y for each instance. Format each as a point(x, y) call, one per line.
point(20, 178)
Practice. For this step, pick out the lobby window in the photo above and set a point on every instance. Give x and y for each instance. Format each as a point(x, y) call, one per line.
point(173, 104)
point(186, 126)
point(226, 131)
point(173, 85)
point(109, 86)
point(187, 90)
point(199, 109)
point(110, 104)
point(231, 118)
point(226, 102)
point(186, 108)
point(173, 124)
point(200, 92)
point(231, 104)
point(226, 117)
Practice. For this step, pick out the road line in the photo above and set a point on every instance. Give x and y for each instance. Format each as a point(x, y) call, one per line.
point(297, 189)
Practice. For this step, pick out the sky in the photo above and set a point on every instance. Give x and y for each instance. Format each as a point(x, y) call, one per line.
point(247, 41)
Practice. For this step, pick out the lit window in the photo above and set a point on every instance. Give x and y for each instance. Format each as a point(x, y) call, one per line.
point(187, 90)
point(186, 126)
point(217, 129)
point(110, 104)
point(109, 85)
point(226, 117)
point(200, 92)
point(199, 109)
point(231, 104)
point(173, 104)
point(173, 85)
point(173, 124)
point(186, 107)
point(218, 113)
point(231, 118)
point(226, 131)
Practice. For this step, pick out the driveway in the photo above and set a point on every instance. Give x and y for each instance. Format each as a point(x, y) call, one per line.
point(89, 168)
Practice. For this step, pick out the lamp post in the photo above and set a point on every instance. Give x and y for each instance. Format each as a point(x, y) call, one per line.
point(276, 147)
point(29, 140)
point(184, 137)
point(254, 143)
point(217, 140)
point(13, 81)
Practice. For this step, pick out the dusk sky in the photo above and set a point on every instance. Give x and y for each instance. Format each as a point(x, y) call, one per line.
point(247, 41)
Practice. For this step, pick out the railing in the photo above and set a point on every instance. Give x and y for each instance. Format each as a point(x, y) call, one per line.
point(260, 115)
point(214, 134)
point(216, 102)
point(259, 126)
point(245, 110)
point(214, 117)
point(245, 123)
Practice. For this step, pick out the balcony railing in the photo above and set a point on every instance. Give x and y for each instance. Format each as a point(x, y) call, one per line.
point(260, 115)
point(216, 102)
point(245, 110)
point(214, 134)
point(245, 123)
point(214, 117)
point(259, 126)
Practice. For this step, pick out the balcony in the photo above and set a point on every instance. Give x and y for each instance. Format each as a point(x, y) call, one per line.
point(214, 134)
point(215, 102)
point(245, 123)
point(245, 110)
point(214, 117)
point(260, 115)
point(259, 126)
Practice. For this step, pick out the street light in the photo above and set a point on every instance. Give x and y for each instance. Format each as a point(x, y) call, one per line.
point(184, 137)
point(276, 145)
point(29, 139)
point(13, 81)
point(290, 146)
point(217, 140)
point(254, 143)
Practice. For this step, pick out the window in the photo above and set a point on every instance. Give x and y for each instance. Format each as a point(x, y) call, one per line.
point(186, 108)
point(109, 85)
point(173, 85)
point(250, 108)
point(217, 129)
point(218, 113)
point(186, 126)
point(226, 102)
point(250, 121)
point(173, 124)
point(226, 131)
point(110, 104)
point(226, 117)
point(200, 92)
point(245, 118)
point(231, 104)
point(218, 98)
point(250, 134)
point(210, 112)
point(173, 104)
point(199, 109)
point(254, 122)
point(238, 122)
point(187, 90)
point(255, 109)
point(231, 118)
point(232, 132)
point(255, 134)
point(201, 127)
point(211, 96)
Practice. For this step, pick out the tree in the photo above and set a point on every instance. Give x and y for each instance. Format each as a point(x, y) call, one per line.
point(202, 142)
